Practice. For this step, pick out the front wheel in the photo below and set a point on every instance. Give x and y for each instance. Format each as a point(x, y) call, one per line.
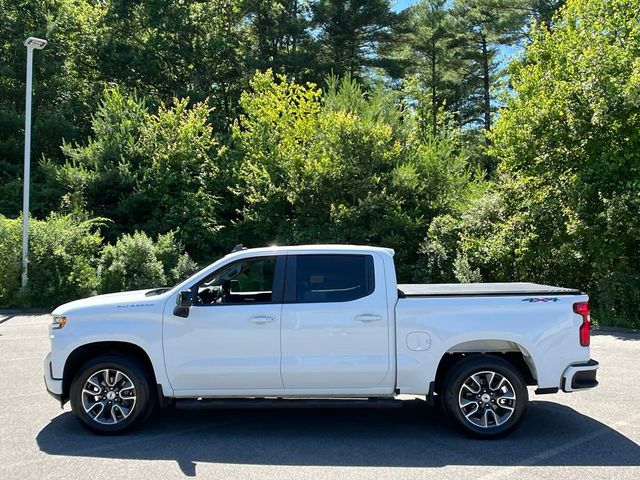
point(486, 396)
point(110, 394)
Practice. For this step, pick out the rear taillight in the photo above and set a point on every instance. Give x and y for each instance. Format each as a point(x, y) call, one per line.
point(582, 309)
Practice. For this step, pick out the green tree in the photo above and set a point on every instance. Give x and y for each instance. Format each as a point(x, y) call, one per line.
point(274, 138)
point(544, 11)
point(281, 38)
point(169, 49)
point(177, 185)
point(484, 26)
point(433, 65)
point(146, 171)
point(101, 174)
point(64, 84)
point(343, 166)
point(567, 207)
point(351, 33)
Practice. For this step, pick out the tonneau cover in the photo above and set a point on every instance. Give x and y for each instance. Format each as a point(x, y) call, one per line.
point(456, 289)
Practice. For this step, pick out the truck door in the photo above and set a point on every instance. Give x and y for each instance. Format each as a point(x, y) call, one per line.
point(230, 339)
point(335, 325)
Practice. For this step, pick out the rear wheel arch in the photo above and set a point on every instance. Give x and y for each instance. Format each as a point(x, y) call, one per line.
point(514, 353)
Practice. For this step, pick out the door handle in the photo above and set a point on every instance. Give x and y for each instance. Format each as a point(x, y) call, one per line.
point(368, 318)
point(261, 319)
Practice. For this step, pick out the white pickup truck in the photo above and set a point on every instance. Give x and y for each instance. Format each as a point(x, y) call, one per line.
point(318, 323)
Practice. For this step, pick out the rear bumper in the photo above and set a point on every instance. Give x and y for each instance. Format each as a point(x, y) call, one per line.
point(580, 376)
point(54, 385)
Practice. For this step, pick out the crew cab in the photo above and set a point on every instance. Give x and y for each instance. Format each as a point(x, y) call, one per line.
point(316, 323)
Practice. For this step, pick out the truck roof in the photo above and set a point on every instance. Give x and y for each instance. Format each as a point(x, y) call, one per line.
point(320, 248)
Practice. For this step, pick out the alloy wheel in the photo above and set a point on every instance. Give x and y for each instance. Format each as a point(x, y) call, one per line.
point(109, 396)
point(487, 399)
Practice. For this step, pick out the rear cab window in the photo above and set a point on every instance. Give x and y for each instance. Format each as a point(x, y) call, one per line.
point(325, 278)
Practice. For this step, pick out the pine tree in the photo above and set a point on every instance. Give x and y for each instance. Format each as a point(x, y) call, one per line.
point(483, 27)
point(280, 36)
point(351, 33)
point(431, 65)
point(543, 11)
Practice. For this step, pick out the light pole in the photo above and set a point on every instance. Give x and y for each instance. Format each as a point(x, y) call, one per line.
point(31, 43)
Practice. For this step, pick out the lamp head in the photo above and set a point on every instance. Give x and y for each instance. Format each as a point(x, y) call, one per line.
point(37, 43)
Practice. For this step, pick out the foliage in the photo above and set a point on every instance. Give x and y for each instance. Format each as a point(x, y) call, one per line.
point(63, 87)
point(401, 129)
point(350, 32)
point(340, 167)
point(136, 262)
point(145, 171)
point(168, 50)
point(566, 207)
point(174, 48)
point(62, 260)
point(437, 253)
point(483, 27)
point(67, 261)
point(432, 65)
point(176, 264)
point(282, 41)
point(576, 110)
point(450, 53)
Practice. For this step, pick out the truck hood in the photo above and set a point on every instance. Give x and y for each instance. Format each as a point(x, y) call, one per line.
point(124, 299)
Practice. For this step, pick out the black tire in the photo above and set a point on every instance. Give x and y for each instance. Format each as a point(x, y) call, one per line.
point(134, 383)
point(497, 414)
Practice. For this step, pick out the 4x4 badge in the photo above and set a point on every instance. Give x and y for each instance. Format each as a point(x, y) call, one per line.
point(540, 299)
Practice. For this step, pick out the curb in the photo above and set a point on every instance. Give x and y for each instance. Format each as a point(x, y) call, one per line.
point(605, 329)
point(25, 311)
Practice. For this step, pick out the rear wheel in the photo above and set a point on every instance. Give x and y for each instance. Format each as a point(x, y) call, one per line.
point(111, 394)
point(486, 396)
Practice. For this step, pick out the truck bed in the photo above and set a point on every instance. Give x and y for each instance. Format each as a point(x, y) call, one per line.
point(480, 289)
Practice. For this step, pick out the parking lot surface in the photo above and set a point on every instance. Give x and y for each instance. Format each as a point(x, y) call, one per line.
point(586, 435)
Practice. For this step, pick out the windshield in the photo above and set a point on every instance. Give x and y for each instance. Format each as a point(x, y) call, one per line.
point(158, 291)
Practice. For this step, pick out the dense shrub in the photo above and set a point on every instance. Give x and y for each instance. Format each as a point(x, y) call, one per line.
point(137, 262)
point(437, 253)
point(146, 171)
point(10, 244)
point(130, 264)
point(66, 261)
point(62, 260)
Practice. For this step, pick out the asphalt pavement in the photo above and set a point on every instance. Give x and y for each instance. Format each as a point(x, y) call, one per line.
point(588, 435)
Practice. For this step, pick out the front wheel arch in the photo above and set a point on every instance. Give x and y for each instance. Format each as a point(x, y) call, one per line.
point(82, 354)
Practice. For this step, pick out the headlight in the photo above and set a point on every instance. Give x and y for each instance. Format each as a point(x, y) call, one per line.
point(59, 321)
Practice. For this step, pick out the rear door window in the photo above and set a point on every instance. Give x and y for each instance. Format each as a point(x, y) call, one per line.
point(332, 278)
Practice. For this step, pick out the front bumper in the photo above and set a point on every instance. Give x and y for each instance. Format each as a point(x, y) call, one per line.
point(580, 376)
point(54, 385)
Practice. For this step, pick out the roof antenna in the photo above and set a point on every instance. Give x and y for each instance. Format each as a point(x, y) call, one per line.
point(239, 247)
